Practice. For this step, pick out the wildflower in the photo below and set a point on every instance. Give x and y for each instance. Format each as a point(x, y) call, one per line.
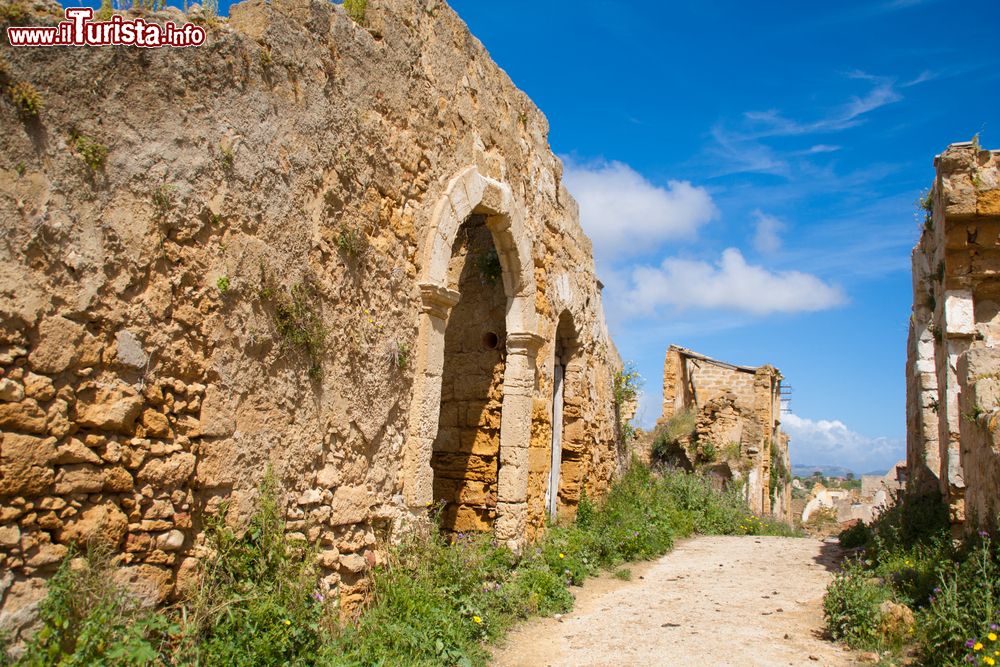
point(992, 636)
point(287, 622)
point(994, 627)
point(983, 534)
point(562, 555)
point(969, 643)
point(477, 620)
point(978, 646)
point(989, 661)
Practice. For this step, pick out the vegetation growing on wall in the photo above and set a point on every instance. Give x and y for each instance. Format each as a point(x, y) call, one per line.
point(431, 603)
point(951, 590)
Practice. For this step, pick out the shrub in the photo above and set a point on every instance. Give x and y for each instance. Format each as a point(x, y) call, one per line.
point(851, 608)
point(93, 153)
point(858, 535)
point(27, 99)
point(222, 284)
point(86, 619)
point(668, 437)
point(356, 10)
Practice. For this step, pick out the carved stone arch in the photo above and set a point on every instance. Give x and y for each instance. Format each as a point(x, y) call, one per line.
point(469, 193)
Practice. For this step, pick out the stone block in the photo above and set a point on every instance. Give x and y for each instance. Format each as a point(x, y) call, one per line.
point(58, 345)
point(104, 524)
point(113, 408)
point(24, 416)
point(26, 465)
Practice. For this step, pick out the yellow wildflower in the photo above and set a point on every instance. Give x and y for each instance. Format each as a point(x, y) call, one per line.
point(477, 620)
point(989, 661)
point(978, 646)
point(992, 636)
point(562, 555)
point(287, 622)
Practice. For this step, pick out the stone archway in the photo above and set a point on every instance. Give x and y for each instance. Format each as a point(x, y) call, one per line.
point(470, 193)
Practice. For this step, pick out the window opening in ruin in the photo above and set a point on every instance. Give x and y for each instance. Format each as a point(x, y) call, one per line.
point(466, 455)
point(566, 465)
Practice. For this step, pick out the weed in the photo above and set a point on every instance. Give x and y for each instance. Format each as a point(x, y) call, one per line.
point(925, 202)
point(87, 619)
point(489, 267)
point(222, 284)
point(356, 9)
point(227, 157)
point(105, 12)
point(709, 452)
point(27, 99)
point(93, 153)
point(399, 355)
point(624, 574)
point(668, 437)
point(939, 271)
point(163, 200)
point(973, 415)
point(266, 59)
point(732, 451)
point(14, 12)
point(851, 608)
point(20, 169)
point(297, 319)
point(350, 240)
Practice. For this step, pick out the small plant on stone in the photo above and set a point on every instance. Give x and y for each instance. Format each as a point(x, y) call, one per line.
point(623, 574)
point(27, 99)
point(925, 203)
point(222, 284)
point(93, 153)
point(13, 12)
point(350, 240)
point(266, 60)
point(709, 452)
point(489, 266)
point(163, 200)
point(20, 169)
point(226, 156)
point(399, 355)
point(297, 320)
point(356, 9)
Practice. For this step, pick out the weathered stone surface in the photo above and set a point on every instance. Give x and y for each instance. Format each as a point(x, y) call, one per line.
point(350, 504)
point(217, 418)
point(10, 536)
point(170, 541)
point(105, 524)
point(79, 478)
point(150, 584)
point(129, 350)
point(156, 424)
point(109, 408)
point(37, 387)
point(58, 347)
point(353, 563)
point(10, 390)
point(75, 451)
point(26, 464)
point(25, 416)
point(168, 472)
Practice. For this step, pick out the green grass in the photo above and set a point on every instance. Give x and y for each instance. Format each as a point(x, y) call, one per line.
point(430, 603)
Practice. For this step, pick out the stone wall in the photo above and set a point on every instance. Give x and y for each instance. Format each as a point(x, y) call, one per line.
point(953, 391)
point(274, 266)
point(737, 434)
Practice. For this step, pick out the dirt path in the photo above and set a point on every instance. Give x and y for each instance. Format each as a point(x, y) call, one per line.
point(712, 601)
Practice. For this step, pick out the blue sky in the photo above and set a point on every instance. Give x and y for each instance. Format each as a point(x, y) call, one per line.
point(748, 173)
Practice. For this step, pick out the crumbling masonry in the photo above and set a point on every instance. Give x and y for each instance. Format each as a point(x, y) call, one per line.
point(343, 251)
point(735, 414)
point(953, 365)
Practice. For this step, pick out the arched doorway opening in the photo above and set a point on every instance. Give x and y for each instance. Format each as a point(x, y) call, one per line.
point(466, 452)
point(567, 465)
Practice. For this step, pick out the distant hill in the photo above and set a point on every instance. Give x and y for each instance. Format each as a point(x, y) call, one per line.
point(826, 471)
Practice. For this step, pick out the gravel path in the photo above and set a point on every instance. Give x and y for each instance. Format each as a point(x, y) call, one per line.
point(712, 601)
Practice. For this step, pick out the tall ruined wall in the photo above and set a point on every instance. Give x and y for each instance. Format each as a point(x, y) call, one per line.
point(737, 435)
point(953, 390)
point(259, 274)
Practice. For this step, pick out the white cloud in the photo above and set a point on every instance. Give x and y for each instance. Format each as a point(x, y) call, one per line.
point(766, 237)
point(729, 284)
point(626, 215)
point(831, 442)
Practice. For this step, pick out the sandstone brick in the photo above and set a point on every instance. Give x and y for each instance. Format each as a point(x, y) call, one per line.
point(26, 465)
point(10, 391)
point(118, 480)
point(156, 424)
point(105, 524)
point(79, 478)
point(150, 584)
point(39, 387)
point(168, 472)
point(216, 418)
point(58, 346)
point(24, 416)
point(10, 536)
point(75, 451)
point(350, 505)
point(109, 408)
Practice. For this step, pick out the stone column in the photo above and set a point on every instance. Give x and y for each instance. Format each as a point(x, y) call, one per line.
point(418, 476)
point(515, 436)
point(959, 329)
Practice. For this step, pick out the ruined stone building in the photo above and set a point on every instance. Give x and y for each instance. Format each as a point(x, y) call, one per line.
point(726, 420)
point(953, 364)
point(343, 251)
